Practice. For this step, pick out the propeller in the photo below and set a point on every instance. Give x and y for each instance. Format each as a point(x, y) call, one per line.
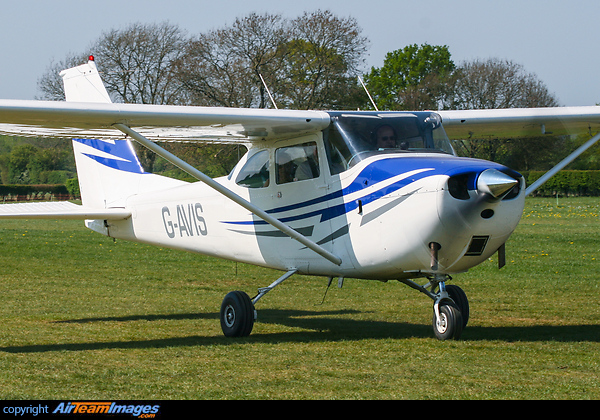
point(495, 183)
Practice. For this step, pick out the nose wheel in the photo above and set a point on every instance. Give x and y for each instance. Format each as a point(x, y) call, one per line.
point(447, 321)
point(450, 308)
point(450, 312)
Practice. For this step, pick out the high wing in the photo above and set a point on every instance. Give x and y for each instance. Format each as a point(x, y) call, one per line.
point(90, 113)
point(191, 123)
point(155, 122)
point(526, 122)
point(520, 122)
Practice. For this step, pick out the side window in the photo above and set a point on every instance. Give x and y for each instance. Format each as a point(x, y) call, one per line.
point(297, 163)
point(337, 152)
point(255, 173)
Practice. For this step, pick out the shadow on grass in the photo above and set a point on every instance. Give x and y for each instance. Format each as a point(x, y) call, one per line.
point(316, 326)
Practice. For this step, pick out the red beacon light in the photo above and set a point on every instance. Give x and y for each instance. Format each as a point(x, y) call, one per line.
point(91, 58)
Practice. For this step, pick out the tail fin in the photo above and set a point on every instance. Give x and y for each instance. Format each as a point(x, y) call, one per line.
point(108, 170)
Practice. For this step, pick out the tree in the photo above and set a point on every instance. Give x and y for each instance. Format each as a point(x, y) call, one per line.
point(18, 162)
point(412, 78)
point(307, 63)
point(137, 67)
point(50, 166)
point(323, 59)
point(496, 83)
point(50, 84)
point(28, 160)
point(137, 63)
point(493, 84)
point(260, 42)
point(223, 67)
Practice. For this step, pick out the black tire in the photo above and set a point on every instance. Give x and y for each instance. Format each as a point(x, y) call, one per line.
point(450, 326)
point(460, 298)
point(237, 315)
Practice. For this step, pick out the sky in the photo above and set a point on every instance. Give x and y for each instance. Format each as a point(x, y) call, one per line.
point(556, 40)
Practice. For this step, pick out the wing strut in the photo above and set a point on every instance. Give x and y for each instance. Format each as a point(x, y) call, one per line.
point(228, 193)
point(562, 164)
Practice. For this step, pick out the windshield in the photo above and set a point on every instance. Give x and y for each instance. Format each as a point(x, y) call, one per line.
point(353, 137)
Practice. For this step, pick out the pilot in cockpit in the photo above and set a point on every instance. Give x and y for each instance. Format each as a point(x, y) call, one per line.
point(387, 138)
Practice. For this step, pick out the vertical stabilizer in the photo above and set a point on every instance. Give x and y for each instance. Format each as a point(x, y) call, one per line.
point(105, 169)
point(108, 171)
point(83, 84)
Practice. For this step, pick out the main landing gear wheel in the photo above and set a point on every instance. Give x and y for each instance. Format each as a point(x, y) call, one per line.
point(237, 315)
point(237, 310)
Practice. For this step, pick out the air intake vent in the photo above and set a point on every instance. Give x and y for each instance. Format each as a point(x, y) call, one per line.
point(477, 246)
point(458, 187)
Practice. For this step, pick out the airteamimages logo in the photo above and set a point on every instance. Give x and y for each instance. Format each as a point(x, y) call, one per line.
point(142, 411)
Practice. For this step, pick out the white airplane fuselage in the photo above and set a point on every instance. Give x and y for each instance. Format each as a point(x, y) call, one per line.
point(380, 217)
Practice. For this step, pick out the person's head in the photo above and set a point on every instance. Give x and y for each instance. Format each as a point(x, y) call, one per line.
point(386, 137)
point(285, 168)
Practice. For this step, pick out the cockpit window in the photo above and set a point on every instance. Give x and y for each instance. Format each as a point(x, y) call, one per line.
point(353, 137)
point(255, 173)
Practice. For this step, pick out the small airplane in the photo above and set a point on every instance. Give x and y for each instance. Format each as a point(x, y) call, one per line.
point(355, 194)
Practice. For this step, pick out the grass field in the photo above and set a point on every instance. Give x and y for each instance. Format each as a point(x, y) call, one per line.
point(82, 317)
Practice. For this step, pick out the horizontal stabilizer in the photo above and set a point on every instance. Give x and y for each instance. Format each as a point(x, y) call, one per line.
point(59, 210)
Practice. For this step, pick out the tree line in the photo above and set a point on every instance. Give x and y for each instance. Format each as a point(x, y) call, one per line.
point(32, 161)
point(312, 61)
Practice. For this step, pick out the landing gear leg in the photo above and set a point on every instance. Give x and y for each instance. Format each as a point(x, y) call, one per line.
point(450, 307)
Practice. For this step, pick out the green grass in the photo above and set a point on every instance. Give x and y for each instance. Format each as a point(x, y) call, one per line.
point(82, 317)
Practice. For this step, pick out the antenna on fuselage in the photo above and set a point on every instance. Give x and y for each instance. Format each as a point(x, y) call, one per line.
point(370, 97)
point(268, 91)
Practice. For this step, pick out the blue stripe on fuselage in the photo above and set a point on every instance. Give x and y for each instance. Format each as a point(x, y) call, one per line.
point(379, 171)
